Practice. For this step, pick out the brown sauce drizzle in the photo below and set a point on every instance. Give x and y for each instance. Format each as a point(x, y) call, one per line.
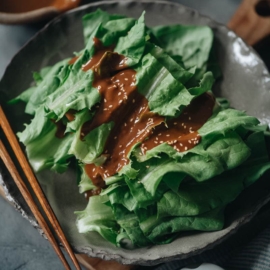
point(73, 60)
point(60, 129)
point(182, 132)
point(70, 115)
point(92, 192)
point(133, 121)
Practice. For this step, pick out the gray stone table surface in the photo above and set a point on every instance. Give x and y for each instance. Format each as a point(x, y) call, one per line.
point(21, 246)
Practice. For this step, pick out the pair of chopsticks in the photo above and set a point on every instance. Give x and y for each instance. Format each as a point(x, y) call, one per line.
point(4, 124)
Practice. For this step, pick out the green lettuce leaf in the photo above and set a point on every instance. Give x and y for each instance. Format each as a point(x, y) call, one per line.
point(89, 149)
point(193, 43)
point(98, 217)
point(43, 148)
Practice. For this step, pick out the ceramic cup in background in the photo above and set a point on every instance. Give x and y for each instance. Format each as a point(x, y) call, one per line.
point(17, 11)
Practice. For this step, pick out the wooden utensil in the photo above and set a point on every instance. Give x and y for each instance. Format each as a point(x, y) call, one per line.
point(251, 21)
point(4, 124)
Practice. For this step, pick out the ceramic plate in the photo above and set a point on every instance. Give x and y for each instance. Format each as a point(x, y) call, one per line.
point(245, 83)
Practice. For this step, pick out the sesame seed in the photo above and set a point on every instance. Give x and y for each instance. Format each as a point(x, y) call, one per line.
point(161, 141)
point(110, 106)
point(168, 135)
point(105, 109)
point(155, 142)
point(181, 144)
point(189, 141)
point(185, 127)
point(115, 137)
point(189, 118)
point(159, 134)
point(186, 148)
point(133, 100)
point(125, 124)
point(120, 101)
point(120, 145)
point(175, 123)
point(126, 79)
point(105, 100)
point(182, 124)
point(94, 169)
point(175, 141)
point(131, 119)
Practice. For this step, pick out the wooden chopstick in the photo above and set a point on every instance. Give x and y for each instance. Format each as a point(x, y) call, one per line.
point(30, 201)
point(36, 187)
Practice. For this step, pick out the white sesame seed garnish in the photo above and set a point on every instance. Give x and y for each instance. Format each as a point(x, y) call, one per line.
point(181, 144)
point(168, 135)
point(105, 100)
point(161, 141)
point(105, 109)
point(159, 134)
point(131, 119)
point(175, 123)
point(133, 100)
point(126, 79)
point(189, 118)
point(182, 124)
point(125, 124)
point(185, 127)
point(110, 106)
point(94, 169)
point(119, 93)
point(115, 137)
point(120, 145)
point(155, 142)
point(186, 148)
point(189, 141)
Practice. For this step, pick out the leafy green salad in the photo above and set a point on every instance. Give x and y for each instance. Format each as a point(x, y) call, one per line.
point(160, 188)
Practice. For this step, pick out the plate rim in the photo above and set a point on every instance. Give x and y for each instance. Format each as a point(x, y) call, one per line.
point(101, 253)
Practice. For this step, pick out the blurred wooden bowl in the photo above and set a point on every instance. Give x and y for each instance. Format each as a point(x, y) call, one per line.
point(29, 11)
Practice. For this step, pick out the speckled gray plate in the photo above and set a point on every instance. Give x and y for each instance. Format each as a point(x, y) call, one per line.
point(246, 83)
